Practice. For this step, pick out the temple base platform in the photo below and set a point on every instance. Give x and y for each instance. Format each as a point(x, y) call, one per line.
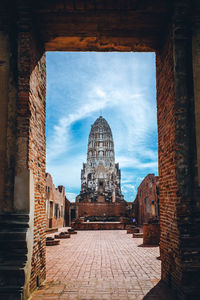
point(99, 226)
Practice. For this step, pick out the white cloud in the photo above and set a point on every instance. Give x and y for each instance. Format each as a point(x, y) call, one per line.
point(127, 162)
point(128, 187)
point(71, 197)
point(60, 141)
point(136, 123)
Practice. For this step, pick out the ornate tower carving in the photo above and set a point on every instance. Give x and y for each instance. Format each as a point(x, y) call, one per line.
point(100, 176)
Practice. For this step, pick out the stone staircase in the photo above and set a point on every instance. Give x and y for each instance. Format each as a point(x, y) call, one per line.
point(13, 254)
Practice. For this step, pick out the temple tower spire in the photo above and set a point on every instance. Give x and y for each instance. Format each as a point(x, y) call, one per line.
point(100, 176)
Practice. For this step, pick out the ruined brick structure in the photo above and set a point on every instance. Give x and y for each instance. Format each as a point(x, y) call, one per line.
point(146, 204)
point(67, 212)
point(55, 203)
point(27, 30)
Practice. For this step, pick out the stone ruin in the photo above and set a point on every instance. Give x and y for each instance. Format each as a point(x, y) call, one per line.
point(100, 176)
point(100, 198)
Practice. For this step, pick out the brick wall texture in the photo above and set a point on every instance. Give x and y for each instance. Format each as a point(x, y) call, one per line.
point(177, 157)
point(101, 209)
point(146, 203)
point(31, 137)
point(169, 243)
point(55, 204)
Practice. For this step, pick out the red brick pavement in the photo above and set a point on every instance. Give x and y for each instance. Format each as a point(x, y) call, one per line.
point(100, 265)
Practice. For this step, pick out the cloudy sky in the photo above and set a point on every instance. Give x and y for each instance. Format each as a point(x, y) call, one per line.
point(81, 87)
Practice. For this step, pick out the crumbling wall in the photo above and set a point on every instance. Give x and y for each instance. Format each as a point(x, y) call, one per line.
point(55, 204)
point(146, 204)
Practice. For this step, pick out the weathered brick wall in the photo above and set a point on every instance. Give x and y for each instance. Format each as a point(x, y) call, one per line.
point(8, 89)
point(151, 234)
point(179, 190)
point(31, 143)
point(99, 226)
point(99, 209)
point(146, 204)
point(67, 212)
point(37, 162)
point(169, 243)
point(55, 196)
point(186, 151)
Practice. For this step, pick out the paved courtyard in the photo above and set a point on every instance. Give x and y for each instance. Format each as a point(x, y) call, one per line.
point(100, 265)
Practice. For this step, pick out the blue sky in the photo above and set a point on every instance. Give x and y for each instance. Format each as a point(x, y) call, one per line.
point(121, 87)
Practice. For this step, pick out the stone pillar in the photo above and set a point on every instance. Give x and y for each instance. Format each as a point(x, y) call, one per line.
point(69, 223)
point(196, 78)
point(22, 147)
point(186, 152)
point(179, 192)
point(151, 234)
point(77, 210)
point(8, 89)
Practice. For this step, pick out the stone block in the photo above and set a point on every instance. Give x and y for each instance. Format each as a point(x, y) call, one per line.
point(138, 235)
point(151, 234)
point(133, 230)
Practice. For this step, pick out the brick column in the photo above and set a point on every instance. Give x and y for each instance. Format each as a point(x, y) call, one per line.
point(196, 70)
point(179, 190)
point(8, 90)
point(22, 217)
point(186, 152)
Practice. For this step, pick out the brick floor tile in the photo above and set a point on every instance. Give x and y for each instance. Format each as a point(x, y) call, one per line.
point(100, 265)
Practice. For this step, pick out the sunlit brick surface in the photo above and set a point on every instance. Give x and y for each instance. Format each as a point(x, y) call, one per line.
point(100, 265)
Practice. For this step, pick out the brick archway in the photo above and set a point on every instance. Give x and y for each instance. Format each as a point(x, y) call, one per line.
point(27, 30)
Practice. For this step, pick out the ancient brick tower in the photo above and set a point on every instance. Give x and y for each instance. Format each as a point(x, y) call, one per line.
point(100, 176)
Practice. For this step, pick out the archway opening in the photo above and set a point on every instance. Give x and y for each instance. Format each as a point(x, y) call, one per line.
point(82, 86)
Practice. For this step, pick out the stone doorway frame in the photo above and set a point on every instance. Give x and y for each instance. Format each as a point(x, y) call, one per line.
point(23, 145)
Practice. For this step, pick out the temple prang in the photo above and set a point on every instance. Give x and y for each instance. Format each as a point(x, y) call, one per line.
point(100, 176)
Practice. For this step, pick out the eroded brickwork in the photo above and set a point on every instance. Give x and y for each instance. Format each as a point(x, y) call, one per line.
point(101, 209)
point(169, 243)
point(67, 212)
point(177, 156)
point(31, 143)
point(8, 89)
point(55, 204)
point(37, 162)
point(146, 203)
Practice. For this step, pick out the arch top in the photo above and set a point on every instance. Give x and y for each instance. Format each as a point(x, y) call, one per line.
point(101, 25)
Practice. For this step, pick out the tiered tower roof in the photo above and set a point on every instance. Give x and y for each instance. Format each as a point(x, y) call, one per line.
point(100, 144)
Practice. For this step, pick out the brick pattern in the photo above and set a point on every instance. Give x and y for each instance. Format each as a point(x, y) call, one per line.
point(102, 265)
point(151, 234)
point(31, 138)
point(98, 226)
point(186, 154)
point(177, 157)
point(67, 212)
point(146, 203)
point(8, 87)
point(99, 209)
point(37, 162)
point(169, 243)
point(55, 204)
